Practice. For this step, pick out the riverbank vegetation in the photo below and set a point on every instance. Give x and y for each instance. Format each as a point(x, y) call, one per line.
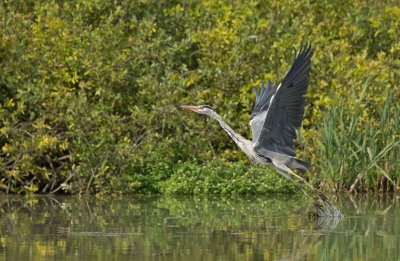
point(90, 93)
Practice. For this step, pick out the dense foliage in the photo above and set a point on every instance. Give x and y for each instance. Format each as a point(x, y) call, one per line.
point(90, 89)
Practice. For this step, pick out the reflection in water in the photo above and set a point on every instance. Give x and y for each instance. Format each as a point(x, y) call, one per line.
point(200, 228)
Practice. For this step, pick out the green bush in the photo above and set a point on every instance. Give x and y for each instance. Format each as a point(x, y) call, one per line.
point(90, 89)
point(224, 178)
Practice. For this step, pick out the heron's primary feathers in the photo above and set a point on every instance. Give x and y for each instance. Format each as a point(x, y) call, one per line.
point(278, 110)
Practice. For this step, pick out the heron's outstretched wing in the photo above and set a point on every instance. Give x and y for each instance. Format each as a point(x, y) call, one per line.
point(260, 108)
point(282, 113)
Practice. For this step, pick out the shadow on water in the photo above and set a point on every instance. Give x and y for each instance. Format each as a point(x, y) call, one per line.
point(200, 228)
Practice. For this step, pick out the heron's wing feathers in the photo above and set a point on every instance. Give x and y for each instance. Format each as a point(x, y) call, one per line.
point(285, 108)
point(260, 107)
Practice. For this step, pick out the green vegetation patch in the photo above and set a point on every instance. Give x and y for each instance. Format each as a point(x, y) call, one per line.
point(218, 177)
point(90, 93)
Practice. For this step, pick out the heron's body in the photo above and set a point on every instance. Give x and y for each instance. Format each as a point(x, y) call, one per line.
point(276, 115)
point(247, 146)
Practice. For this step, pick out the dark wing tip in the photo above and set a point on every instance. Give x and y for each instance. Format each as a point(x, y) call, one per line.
point(304, 50)
point(256, 91)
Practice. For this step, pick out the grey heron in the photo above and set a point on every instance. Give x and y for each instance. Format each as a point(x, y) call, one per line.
point(276, 115)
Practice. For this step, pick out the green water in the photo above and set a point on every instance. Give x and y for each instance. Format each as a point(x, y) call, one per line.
point(196, 228)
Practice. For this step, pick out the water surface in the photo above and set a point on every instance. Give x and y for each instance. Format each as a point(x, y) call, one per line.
point(196, 228)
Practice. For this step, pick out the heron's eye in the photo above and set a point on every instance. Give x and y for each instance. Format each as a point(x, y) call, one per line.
point(206, 106)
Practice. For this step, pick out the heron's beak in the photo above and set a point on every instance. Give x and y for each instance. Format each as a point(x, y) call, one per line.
point(193, 108)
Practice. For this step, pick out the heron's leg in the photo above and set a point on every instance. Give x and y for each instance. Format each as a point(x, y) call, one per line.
point(319, 194)
point(316, 205)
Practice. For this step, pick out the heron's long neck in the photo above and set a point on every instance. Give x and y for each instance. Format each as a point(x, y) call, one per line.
point(237, 138)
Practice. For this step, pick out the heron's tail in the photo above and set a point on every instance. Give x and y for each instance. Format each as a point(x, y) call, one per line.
point(299, 164)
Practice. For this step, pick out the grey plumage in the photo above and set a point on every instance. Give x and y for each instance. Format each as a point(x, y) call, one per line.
point(276, 115)
point(279, 109)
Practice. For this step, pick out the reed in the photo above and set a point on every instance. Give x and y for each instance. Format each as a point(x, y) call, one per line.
point(359, 154)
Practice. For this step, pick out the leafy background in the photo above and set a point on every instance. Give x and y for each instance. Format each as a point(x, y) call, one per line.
point(90, 93)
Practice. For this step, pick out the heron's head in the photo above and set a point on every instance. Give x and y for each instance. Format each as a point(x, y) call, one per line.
point(203, 109)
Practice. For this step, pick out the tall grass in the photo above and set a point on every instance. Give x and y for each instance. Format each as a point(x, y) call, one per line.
point(356, 154)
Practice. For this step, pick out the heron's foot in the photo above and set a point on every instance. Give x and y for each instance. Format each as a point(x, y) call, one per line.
point(325, 208)
point(323, 198)
point(319, 208)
